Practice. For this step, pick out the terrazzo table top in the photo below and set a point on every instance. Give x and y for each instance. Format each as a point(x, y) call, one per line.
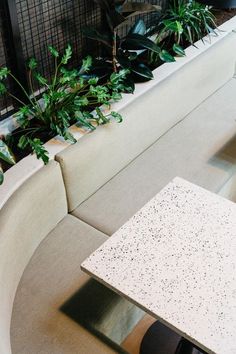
point(176, 259)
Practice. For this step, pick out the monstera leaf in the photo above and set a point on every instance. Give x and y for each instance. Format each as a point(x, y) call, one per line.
point(6, 154)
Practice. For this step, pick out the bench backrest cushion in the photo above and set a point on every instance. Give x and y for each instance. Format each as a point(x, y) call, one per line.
point(97, 157)
point(25, 220)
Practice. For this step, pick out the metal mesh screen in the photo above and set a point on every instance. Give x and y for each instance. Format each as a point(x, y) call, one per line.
point(6, 105)
point(57, 23)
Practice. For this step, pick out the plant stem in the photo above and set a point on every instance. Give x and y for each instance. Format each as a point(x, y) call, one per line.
point(22, 88)
point(114, 51)
point(57, 67)
point(25, 130)
point(15, 98)
point(32, 92)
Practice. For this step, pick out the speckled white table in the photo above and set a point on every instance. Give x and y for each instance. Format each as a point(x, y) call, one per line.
point(176, 259)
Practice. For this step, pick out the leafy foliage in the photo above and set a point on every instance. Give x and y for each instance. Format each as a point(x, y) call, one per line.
point(36, 145)
point(68, 98)
point(125, 51)
point(184, 23)
point(6, 154)
point(1, 175)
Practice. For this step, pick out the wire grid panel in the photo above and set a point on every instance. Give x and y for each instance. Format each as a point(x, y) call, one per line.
point(6, 104)
point(57, 23)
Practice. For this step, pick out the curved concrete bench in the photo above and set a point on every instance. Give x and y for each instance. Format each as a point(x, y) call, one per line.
point(24, 223)
point(38, 238)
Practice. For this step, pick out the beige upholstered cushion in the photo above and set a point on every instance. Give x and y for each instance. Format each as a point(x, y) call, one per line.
point(199, 149)
point(51, 277)
point(28, 216)
point(97, 157)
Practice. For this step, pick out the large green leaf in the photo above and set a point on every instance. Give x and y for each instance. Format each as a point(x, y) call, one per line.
point(139, 28)
point(1, 175)
point(136, 41)
point(6, 154)
point(174, 26)
point(166, 56)
point(38, 148)
point(178, 50)
point(142, 70)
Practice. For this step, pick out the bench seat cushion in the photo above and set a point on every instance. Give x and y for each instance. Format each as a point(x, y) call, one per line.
point(52, 277)
point(201, 149)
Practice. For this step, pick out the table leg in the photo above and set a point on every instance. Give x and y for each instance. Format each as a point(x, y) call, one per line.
point(104, 313)
point(159, 339)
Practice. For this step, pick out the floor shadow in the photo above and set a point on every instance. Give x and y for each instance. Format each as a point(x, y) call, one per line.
point(94, 307)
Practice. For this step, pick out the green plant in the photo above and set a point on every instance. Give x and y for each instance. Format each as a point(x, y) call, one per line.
point(184, 22)
point(1, 175)
point(123, 51)
point(7, 156)
point(67, 99)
